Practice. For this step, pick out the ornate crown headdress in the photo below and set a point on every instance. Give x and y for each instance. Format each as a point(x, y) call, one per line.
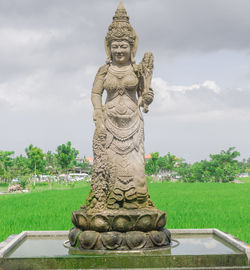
point(121, 29)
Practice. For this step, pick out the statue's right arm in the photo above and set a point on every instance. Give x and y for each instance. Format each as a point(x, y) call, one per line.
point(97, 91)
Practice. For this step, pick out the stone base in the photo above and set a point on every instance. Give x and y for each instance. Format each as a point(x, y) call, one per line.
point(123, 229)
point(113, 240)
point(120, 220)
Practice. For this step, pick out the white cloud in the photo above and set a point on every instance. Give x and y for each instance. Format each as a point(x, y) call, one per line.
point(12, 37)
point(18, 94)
point(48, 90)
point(211, 85)
point(181, 99)
point(204, 100)
point(91, 70)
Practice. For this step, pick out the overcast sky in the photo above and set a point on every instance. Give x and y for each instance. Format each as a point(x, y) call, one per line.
point(50, 51)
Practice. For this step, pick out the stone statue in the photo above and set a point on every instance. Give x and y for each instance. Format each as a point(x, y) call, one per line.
point(119, 213)
point(119, 174)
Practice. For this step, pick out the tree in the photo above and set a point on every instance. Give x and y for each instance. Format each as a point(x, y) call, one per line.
point(225, 166)
point(36, 159)
point(151, 166)
point(66, 156)
point(6, 162)
point(84, 165)
point(244, 165)
point(199, 172)
point(248, 166)
point(222, 167)
point(167, 163)
point(51, 163)
point(184, 171)
point(20, 166)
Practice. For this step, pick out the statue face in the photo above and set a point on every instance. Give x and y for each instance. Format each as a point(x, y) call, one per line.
point(120, 51)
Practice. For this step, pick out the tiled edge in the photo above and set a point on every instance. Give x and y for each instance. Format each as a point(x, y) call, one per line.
point(12, 243)
point(191, 231)
point(234, 241)
point(47, 233)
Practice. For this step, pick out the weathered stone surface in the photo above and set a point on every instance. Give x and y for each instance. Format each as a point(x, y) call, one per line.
point(113, 240)
point(119, 213)
point(120, 220)
point(118, 179)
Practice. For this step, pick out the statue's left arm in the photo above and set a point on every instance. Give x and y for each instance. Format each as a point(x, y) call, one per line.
point(146, 93)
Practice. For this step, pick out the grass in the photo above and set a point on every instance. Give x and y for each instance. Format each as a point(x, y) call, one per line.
point(205, 205)
point(244, 179)
point(4, 186)
point(41, 186)
point(197, 205)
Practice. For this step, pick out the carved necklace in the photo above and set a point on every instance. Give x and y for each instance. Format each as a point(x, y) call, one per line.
point(118, 72)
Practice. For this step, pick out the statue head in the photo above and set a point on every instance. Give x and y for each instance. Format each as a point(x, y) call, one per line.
point(120, 52)
point(121, 31)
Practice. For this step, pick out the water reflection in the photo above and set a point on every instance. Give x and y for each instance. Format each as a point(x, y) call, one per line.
point(202, 244)
point(189, 245)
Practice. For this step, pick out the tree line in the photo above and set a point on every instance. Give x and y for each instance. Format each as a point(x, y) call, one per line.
point(36, 162)
point(222, 167)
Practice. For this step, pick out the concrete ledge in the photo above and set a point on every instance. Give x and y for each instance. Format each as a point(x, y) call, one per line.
point(6, 241)
point(155, 260)
point(6, 245)
point(11, 244)
point(47, 233)
point(234, 241)
point(191, 231)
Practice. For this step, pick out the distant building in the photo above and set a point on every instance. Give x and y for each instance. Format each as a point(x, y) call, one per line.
point(242, 175)
point(90, 160)
point(80, 160)
point(79, 169)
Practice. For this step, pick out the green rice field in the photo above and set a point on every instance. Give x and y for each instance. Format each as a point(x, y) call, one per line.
point(244, 179)
point(196, 205)
point(3, 187)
